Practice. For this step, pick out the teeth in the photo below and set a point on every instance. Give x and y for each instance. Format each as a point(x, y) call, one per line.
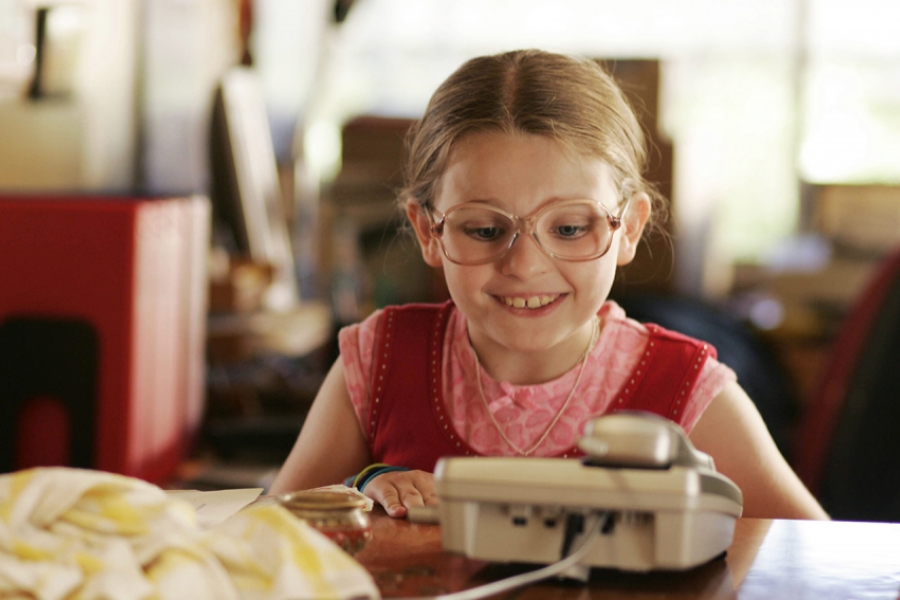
point(529, 302)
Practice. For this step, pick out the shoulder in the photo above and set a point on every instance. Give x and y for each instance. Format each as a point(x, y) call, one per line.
point(420, 307)
point(418, 312)
point(413, 324)
point(363, 335)
point(357, 348)
point(620, 333)
point(352, 335)
point(615, 315)
point(676, 356)
point(614, 320)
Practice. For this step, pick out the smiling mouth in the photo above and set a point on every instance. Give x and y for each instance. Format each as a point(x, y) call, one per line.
point(529, 301)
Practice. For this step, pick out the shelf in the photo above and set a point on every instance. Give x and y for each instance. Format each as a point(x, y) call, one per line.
point(294, 333)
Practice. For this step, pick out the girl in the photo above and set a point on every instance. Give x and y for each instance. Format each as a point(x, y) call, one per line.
point(524, 184)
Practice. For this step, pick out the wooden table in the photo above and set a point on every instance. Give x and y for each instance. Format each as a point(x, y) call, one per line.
point(767, 560)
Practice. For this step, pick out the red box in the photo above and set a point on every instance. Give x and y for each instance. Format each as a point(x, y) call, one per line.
point(102, 314)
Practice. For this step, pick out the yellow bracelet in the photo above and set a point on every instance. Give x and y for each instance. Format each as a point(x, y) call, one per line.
point(362, 474)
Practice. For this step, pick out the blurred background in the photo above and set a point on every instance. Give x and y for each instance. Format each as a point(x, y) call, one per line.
point(774, 129)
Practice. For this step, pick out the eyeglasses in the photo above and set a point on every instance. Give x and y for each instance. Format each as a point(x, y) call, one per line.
point(473, 233)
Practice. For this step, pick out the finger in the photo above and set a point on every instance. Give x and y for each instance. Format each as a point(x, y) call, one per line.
point(410, 496)
point(394, 506)
point(424, 484)
point(413, 494)
point(386, 494)
point(430, 498)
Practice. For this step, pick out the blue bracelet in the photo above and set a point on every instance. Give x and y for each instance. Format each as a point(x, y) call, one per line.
point(375, 473)
point(354, 480)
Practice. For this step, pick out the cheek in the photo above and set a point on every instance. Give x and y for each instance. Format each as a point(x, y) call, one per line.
point(463, 282)
point(594, 279)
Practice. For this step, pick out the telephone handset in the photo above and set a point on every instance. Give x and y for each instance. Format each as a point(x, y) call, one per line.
point(639, 440)
point(661, 501)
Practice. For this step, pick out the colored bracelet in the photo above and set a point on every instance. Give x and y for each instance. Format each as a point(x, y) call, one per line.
point(368, 474)
point(375, 473)
point(354, 480)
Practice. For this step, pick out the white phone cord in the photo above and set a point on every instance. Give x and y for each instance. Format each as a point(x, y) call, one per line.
point(497, 587)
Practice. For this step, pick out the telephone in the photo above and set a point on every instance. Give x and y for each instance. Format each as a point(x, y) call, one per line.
point(660, 502)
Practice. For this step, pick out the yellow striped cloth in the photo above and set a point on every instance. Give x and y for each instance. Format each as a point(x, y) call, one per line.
point(73, 534)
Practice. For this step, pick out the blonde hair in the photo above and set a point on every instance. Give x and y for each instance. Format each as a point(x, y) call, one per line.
point(572, 100)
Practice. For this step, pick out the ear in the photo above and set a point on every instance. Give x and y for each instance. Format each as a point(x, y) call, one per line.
point(633, 224)
point(431, 247)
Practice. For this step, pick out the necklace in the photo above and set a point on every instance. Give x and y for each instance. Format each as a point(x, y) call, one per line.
point(595, 333)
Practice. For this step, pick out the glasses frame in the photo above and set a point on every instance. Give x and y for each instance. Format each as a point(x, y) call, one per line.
point(525, 225)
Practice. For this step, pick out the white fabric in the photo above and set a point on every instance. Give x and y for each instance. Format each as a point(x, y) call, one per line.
point(77, 534)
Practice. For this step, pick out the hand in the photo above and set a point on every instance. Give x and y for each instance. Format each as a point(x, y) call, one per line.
point(398, 490)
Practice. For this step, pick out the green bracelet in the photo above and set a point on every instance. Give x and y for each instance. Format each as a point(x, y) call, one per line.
point(373, 473)
point(361, 476)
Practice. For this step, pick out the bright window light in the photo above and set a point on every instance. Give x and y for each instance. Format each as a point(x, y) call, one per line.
point(757, 95)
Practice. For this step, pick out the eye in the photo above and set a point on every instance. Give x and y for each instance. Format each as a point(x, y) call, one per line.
point(487, 234)
point(479, 225)
point(572, 229)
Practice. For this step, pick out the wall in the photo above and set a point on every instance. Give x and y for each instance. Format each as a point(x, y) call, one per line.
point(82, 134)
point(129, 91)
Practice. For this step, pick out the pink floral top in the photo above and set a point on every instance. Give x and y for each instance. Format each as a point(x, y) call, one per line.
point(525, 411)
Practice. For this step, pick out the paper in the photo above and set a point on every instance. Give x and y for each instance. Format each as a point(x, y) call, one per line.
point(214, 507)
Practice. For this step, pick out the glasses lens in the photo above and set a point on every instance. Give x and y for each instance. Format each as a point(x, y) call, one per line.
point(574, 230)
point(474, 234)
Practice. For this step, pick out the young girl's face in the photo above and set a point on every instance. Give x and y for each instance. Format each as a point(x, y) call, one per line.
point(521, 173)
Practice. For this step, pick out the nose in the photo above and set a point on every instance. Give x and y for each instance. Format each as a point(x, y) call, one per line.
point(525, 259)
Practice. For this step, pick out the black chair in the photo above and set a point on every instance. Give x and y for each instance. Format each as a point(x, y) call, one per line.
point(848, 450)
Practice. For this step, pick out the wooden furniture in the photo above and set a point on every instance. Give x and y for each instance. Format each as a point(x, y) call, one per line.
point(653, 265)
point(368, 252)
point(768, 559)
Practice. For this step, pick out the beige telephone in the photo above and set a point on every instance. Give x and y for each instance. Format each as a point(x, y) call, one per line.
point(659, 501)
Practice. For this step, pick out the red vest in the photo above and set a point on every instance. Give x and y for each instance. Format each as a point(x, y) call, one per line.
point(409, 425)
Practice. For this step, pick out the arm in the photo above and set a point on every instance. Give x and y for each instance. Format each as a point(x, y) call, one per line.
point(734, 434)
point(330, 446)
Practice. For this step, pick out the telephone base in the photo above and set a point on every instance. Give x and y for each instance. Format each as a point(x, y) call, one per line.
point(519, 509)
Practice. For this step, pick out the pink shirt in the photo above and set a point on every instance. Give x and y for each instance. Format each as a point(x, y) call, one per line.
point(525, 411)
